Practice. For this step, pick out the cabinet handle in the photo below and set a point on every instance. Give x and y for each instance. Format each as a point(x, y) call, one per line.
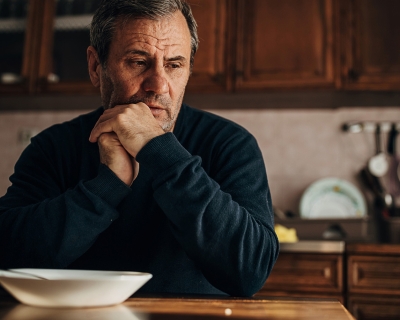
point(327, 272)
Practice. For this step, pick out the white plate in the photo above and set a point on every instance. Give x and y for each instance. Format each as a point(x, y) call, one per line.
point(332, 198)
point(73, 288)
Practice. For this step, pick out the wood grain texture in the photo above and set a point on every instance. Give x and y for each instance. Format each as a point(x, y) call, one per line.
point(370, 46)
point(211, 60)
point(241, 308)
point(374, 275)
point(374, 308)
point(307, 273)
point(285, 44)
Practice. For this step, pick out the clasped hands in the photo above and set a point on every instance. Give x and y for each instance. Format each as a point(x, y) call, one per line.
point(121, 132)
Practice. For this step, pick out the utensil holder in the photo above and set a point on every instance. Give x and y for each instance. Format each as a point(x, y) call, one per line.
point(392, 229)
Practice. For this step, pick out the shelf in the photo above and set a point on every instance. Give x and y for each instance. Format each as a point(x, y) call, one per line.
point(12, 25)
point(65, 23)
point(70, 23)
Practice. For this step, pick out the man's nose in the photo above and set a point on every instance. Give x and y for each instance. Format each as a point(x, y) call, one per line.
point(156, 81)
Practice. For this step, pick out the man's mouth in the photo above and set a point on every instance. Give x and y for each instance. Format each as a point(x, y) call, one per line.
point(156, 110)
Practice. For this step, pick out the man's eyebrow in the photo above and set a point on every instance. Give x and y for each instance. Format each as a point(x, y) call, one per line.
point(139, 52)
point(176, 58)
point(146, 54)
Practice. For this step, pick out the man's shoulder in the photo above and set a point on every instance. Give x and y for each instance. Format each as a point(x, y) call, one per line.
point(204, 133)
point(210, 122)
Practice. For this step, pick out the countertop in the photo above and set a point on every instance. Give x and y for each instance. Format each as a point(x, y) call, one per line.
point(319, 246)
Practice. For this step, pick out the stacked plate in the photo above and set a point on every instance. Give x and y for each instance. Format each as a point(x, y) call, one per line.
point(332, 198)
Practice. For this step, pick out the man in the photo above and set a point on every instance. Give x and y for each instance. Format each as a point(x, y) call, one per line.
point(145, 183)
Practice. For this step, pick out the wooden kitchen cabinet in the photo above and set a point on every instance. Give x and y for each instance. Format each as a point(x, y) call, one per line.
point(374, 308)
point(364, 277)
point(373, 281)
point(245, 45)
point(285, 44)
point(71, 39)
point(306, 273)
point(212, 59)
point(370, 44)
point(53, 51)
point(16, 33)
point(39, 69)
point(65, 38)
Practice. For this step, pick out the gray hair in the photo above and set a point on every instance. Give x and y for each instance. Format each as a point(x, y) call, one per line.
point(109, 11)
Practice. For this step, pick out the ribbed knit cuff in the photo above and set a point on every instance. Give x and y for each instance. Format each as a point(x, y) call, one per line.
point(161, 153)
point(108, 186)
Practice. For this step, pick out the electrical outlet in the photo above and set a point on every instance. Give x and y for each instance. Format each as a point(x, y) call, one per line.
point(25, 135)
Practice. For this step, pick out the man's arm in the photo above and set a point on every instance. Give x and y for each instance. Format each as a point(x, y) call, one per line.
point(226, 227)
point(43, 224)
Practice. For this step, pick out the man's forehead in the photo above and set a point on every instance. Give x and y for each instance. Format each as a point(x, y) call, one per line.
point(171, 30)
point(143, 39)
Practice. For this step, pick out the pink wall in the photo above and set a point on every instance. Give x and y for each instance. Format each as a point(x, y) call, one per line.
point(299, 146)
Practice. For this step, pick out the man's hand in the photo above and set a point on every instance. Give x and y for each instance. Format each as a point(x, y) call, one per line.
point(121, 133)
point(114, 156)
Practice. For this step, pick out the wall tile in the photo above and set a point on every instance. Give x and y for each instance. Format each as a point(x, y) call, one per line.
point(299, 146)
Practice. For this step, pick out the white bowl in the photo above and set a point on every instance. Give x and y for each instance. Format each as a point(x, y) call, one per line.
point(72, 288)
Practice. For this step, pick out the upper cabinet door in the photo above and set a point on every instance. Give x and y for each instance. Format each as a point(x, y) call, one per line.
point(64, 40)
point(14, 68)
point(211, 60)
point(371, 44)
point(63, 66)
point(285, 44)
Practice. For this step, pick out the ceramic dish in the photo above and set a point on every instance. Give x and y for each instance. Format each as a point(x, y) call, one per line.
point(72, 288)
point(332, 198)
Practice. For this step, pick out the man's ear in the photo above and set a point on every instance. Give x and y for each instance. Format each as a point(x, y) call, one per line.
point(94, 66)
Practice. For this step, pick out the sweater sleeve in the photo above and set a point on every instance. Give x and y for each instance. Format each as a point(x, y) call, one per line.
point(44, 226)
point(225, 223)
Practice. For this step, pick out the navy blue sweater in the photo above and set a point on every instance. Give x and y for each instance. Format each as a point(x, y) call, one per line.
point(198, 216)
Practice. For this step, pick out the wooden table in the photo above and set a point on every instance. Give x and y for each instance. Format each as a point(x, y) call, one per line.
point(145, 308)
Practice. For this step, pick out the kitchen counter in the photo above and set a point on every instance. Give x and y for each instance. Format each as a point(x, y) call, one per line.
point(319, 246)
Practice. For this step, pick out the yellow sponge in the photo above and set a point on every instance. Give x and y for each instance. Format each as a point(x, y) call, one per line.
point(285, 234)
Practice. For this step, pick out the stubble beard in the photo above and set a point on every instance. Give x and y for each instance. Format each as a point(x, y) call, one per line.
point(110, 99)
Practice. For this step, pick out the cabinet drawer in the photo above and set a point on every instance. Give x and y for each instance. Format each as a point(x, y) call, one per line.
point(374, 308)
point(297, 272)
point(374, 274)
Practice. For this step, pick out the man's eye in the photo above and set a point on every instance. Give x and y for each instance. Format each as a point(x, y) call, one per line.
point(139, 63)
point(174, 65)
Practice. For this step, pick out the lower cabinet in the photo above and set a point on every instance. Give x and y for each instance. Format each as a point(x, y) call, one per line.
point(310, 275)
point(374, 307)
point(363, 277)
point(373, 275)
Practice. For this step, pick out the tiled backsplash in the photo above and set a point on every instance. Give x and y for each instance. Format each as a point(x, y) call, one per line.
point(299, 146)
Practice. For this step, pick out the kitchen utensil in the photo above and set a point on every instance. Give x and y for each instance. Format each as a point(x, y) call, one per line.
point(72, 288)
point(21, 275)
point(394, 179)
point(332, 198)
point(378, 165)
point(374, 184)
point(24, 275)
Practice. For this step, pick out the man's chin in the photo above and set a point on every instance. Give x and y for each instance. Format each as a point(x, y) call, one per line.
point(167, 126)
